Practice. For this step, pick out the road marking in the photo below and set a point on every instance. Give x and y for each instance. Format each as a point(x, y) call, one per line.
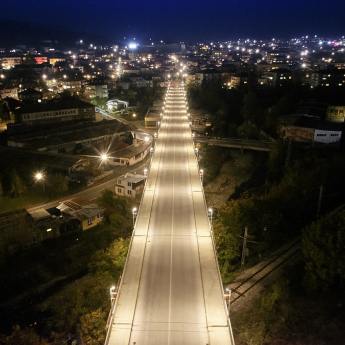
point(171, 243)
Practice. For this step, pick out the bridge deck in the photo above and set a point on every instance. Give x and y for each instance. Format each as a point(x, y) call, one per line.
point(171, 292)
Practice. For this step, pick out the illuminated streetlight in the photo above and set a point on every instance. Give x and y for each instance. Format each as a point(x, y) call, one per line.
point(197, 153)
point(135, 215)
point(146, 139)
point(134, 115)
point(113, 294)
point(209, 215)
point(229, 299)
point(40, 177)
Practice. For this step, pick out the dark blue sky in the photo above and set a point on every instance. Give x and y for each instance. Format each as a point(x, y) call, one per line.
point(185, 20)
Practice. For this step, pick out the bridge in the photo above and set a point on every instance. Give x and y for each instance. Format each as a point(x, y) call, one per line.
point(171, 292)
point(257, 145)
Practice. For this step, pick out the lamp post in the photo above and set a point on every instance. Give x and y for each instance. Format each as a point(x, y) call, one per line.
point(201, 176)
point(229, 300)
point(135, 214)
point(209, 215)
point(40, 177)
point(104, 158)
point(113, 294)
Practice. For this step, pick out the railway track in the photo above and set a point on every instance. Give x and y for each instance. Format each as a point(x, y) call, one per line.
point(242, 288)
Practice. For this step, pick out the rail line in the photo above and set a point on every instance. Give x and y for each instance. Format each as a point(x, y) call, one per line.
point(242, 288)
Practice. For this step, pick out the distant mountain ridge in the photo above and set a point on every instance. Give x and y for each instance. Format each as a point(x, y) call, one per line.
point(14, 33)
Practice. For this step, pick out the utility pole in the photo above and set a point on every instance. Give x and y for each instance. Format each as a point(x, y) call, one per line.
point(244, 249)
point(319, 203)
point(288, 154)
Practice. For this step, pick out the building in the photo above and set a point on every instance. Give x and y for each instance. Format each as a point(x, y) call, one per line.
point(133, 154)
point(8, 62)
point(88, 213)
point(21, 229)
point(311, 130)
point(207, 75)
point(55, 110)
point(130, 185)
point(335, 113)
point(10, 92)
point(75, 85)
point(30, 95)
point(71, 139)
point(327, 78)
point(153, 117)
point(93, 90)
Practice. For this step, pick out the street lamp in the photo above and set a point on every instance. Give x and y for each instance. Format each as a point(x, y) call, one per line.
point(201, 176)
point(135, 214)
point(229, 299)
point(209, 215)
point(40, 177)
point(197, 152)
point(113, 294)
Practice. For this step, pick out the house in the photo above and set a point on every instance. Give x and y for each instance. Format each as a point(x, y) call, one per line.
point(30, 95)
point(130, 185)
point(335, 113)
point(23, 229)
point(10, 92)
point(88, 213)
point(207, 74)
point(311, 130)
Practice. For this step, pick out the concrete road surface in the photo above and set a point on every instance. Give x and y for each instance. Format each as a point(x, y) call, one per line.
point(171, 293)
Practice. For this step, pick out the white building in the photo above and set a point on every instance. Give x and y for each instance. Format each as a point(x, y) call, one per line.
point(130, 185)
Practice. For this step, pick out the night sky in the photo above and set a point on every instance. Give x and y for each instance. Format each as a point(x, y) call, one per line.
point(185, 20)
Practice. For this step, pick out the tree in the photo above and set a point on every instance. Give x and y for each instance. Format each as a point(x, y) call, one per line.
point(29, 60)
point(99, 101)
point(323, 246)
point(25, 336)
point(18, 186)
point(57, 185)
point(93, 327)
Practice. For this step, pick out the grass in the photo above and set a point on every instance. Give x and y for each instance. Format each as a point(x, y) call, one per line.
point(34, 196)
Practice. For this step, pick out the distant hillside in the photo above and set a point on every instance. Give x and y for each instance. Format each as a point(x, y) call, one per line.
point(32, 34)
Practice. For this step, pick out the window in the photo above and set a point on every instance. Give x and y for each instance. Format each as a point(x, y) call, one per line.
point(89, 221)
point(129, 192)
point(129, 184)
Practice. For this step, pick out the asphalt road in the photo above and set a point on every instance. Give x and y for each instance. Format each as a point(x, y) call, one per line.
point(171, 293)
point(94, 191)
